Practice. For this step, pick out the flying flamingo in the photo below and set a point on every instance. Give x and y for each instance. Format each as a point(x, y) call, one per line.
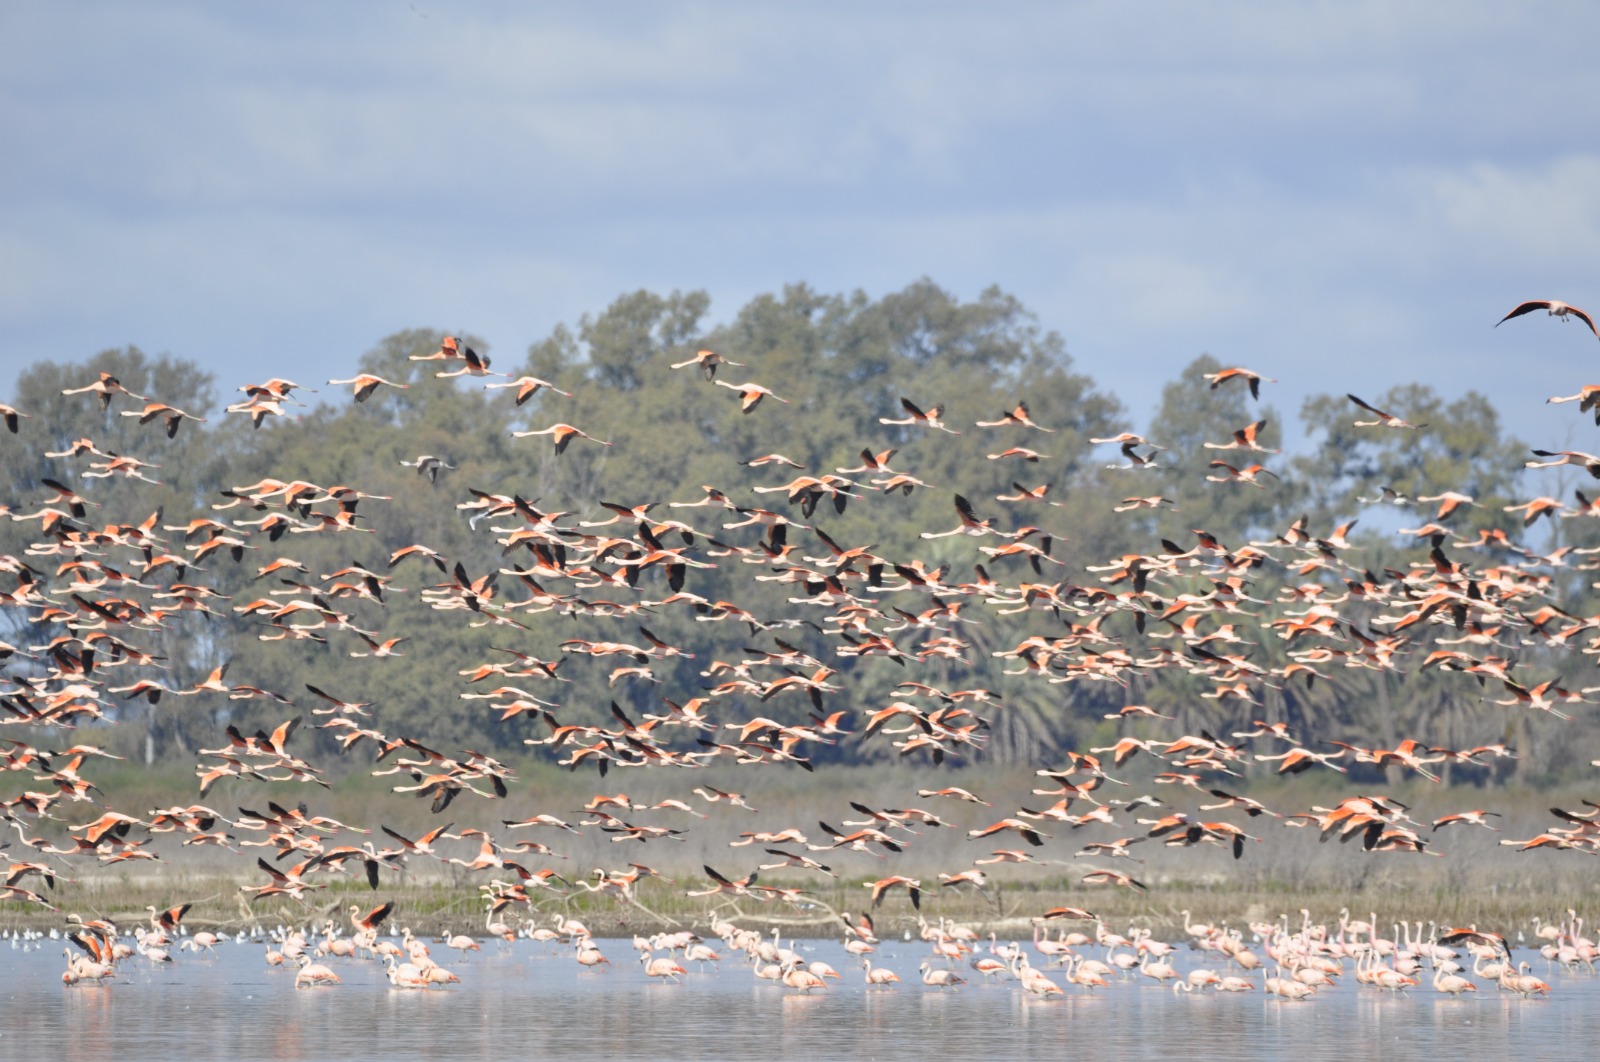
point(151, 411)
point(1244, 439)
point(1588, 462)
point(708, 360)
point(914, 415)
point(750, 394)
point(11, 414)
point(1240, 475)
point(1385, 420)
point(1254, 379)
point(366, 383)
point(1588, 399)
point(1555, 307)
point(104, 388)
point(528, 386)
point(561, 434)
point(1018, 415)
point(452, 349)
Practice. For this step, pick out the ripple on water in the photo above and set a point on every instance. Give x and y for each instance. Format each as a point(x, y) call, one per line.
point(522, 1003)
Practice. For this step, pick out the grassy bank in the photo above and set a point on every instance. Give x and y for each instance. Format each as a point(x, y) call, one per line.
point(439, 907)
point(1476, 879)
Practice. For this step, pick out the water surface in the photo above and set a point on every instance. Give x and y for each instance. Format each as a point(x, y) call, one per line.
point(522, 1002)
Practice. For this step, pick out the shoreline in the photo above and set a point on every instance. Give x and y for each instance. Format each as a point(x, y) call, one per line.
point(1006, 910)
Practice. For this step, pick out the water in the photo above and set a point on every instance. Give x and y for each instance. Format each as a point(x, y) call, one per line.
point(519, 1002)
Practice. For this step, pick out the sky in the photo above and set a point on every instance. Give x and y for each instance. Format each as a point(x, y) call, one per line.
point(1344, 196)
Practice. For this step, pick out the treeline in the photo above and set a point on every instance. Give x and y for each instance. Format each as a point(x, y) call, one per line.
point(837, 366)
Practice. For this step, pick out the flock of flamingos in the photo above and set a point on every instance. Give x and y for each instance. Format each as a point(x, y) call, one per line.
point(1293, 963)
point(103, 585)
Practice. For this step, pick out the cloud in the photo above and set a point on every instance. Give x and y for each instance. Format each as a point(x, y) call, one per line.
point(1544, 216)
point(1332, 193)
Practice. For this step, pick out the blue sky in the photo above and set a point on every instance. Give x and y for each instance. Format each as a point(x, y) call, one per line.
point(1345, 196)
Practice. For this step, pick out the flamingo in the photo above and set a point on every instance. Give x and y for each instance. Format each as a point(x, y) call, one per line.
point(1244, 439)
point(311, 974)
point(1035, 982)
point(1588, 462)
point(799, 978)
point(1055, 950)
point(201, 941)
point(434, 974)
point(498, 928)
point(882, 886)
point(1451, 984)
point(1080, 973)
point(939, 978)
point(751, 394)
point(462, 943)
point(174, 416)
point(915, 415)
point(1018, 416)
point(700, 954)
point(1287, 990)
point(1253, 379)
point(878, 976)
point(404, 974)
point(366, 383)
point(453, 349)
point(989, 967)
point(1555, 308)
point(1524, 983)
point(12, 415)
point(527, 387)
point(104, 388)
point(430, 466)
point(662, 968)
point(1385, 420)
point(1248, 474)
point(1160, 972)
point(1588, 399)
point(372, 919)
point(589, 956)
point(1472, 818)
point(561, 435)
point(708, 360)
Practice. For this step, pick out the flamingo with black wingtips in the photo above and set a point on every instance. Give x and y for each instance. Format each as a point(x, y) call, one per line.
point(1250, 377)
point(1555, 308)
point(365, 383)
point(561, 435)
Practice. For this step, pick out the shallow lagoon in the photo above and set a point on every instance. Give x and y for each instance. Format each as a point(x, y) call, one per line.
point(520, 1001)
